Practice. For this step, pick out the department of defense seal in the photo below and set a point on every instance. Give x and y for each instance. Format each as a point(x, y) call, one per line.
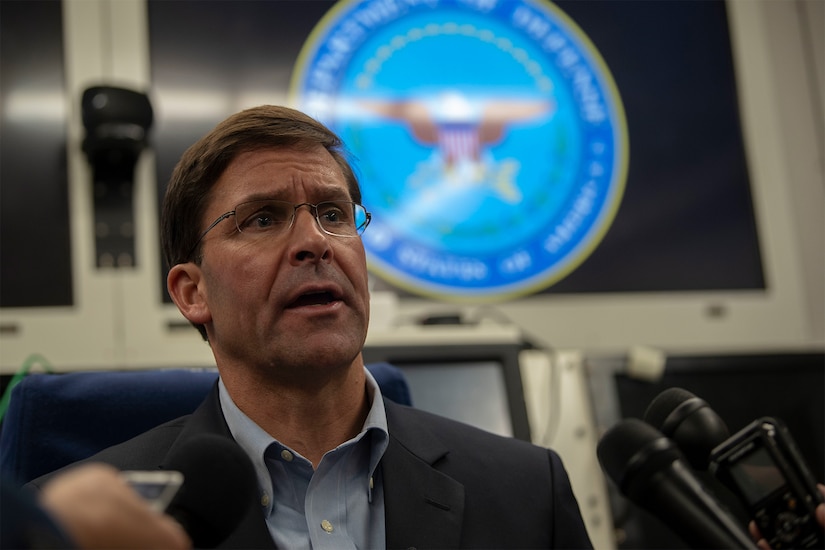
point(490, 137)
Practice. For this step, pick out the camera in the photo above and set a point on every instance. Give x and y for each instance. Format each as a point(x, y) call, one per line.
point(763, 467)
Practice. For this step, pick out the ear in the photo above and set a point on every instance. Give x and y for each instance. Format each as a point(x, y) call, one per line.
point(184, 282)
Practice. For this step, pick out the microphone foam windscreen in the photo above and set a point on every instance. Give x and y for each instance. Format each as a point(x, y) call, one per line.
point(689, 422)
point(664, 404)
point(631, 449)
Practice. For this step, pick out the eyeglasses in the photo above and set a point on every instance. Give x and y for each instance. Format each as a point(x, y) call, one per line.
point(272, 217)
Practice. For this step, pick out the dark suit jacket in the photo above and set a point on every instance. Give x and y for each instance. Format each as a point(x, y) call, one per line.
point(446, 485)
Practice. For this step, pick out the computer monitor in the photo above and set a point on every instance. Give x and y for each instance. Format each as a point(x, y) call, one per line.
point(685, 249)
point(475, 384)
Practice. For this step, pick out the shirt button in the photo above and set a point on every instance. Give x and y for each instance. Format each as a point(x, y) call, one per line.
point(372, 483)
point(326, 526)
point(264, 499)
point(286, 455)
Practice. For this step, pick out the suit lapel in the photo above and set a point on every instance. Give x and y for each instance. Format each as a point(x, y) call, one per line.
point(424, 508)
point(252, 532)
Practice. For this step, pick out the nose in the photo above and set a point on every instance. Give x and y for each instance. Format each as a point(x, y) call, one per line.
point(307, 241)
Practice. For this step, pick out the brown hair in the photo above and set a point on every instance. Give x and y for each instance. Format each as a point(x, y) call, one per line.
point(203, 163)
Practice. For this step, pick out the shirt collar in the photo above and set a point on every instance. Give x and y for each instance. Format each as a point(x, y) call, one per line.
point(255, 441)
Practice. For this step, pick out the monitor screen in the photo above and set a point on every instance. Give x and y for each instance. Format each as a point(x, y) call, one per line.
point(680, 218)
point(472, 392)
point(479, 385)
point(684, 248)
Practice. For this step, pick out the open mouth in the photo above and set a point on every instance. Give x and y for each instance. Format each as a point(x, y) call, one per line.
point(313, 299)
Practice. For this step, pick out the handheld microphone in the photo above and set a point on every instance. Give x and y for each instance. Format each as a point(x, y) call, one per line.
point(651, 471)
point(219, 485)
point(760, 466)
point(696, 429)
point(689, 422)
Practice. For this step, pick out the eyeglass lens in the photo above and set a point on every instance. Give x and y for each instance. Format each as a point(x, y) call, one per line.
point(342, 218)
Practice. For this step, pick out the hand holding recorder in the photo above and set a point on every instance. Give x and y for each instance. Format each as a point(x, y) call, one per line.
point(98, 509)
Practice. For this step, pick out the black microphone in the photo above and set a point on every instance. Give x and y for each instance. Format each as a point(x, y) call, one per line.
point(651, 471)
point(219, 483)
point(696, 429)
point(689, 422)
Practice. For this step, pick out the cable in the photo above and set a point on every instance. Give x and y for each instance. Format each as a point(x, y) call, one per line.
point(31, 361)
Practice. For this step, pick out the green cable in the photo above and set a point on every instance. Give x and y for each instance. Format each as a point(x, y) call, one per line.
point(30, 362)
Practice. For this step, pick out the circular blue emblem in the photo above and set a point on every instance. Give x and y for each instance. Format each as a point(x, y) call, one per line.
point(490, 137)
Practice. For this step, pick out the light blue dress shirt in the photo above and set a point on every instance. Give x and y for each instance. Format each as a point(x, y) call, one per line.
point(338, 506)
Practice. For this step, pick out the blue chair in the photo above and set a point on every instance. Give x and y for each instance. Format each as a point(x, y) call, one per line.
point(56, 419)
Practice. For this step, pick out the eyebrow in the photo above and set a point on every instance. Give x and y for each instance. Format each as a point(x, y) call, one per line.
point(332, 192)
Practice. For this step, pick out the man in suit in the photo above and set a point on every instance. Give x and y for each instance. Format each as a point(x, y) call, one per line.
point(261, 229)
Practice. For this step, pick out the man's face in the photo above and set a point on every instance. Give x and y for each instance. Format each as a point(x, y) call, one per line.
point(293, 301)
